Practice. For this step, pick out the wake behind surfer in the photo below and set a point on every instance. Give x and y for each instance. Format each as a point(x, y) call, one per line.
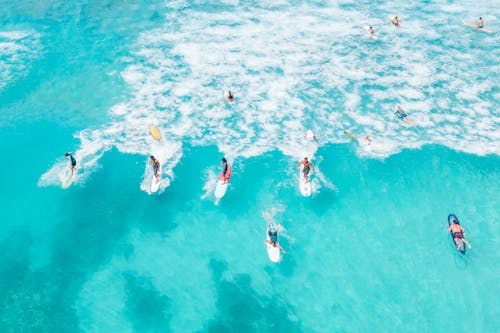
point(458, 234)
point(72, 161)
point(156, 167)
point(306, 168)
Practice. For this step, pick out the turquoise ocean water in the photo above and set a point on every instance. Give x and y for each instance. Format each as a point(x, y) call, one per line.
point(369, 251)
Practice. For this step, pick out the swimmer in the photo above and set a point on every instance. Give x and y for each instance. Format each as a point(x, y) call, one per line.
point(458, 234)
point(72, 162)
point(307, 167)
point(395, 21)
point(156, 167)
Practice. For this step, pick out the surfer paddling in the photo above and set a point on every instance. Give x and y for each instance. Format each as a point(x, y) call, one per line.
point(458, 234)
point(72, 162)
point(306, 168)
point(229, 97)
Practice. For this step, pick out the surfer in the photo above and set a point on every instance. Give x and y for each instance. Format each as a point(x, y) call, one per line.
point(307, 167)
point(272, 231)
point(156, 167)
point(395, 21)
point(458, 234)
point(480, 23)
point(225, 170)
point(371, 30)
point(72, 162)
point(402, 115)
point(230, 97)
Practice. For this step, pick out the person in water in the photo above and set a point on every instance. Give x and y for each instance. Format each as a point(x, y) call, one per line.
point(306, 168)
point(395, 21)
point(225, 168)
point(458, 234)
point(402, 115)
point(156, 167)
point(480, 23)
point(371, 30)
point(230, 97)
point(272, 232)
point(72, 162)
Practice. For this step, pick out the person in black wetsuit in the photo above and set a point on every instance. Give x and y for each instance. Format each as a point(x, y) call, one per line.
point(156, 167)
point(72, 162)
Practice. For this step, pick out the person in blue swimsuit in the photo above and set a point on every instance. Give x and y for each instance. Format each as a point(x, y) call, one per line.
point(306, 168)
point(72, 162)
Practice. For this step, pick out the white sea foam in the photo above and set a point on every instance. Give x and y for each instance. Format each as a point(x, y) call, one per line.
point(297, 67)
point(18, 49)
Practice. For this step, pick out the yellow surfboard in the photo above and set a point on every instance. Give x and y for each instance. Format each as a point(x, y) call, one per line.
point(155, 132)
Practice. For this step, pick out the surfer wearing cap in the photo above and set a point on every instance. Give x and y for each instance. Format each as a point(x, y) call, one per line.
point(272, 232)
point(72, 161)
point(307, 167)
point(395, 21)
point(480, 23)
point(156, 167)
point(458, 234)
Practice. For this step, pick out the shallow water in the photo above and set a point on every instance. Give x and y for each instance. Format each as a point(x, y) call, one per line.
point(369, 249)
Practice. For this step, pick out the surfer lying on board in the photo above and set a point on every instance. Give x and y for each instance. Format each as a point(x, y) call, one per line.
point(458, 234)
point(156, 167)
point(272, 231)
point(395, 21)
point(72, 162)
point(307, 167)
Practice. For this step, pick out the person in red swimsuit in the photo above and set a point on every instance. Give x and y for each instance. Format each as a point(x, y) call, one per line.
point(458, 234)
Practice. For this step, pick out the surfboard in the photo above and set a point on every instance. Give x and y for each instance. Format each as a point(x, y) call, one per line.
point(452, 217)
point(220, 188)
point(155, 185)
point(68, 180)
point(155, 132)
point(305, 188)
point(373, 36)
point(473, 25)
point(273, 252)
point(352, 137)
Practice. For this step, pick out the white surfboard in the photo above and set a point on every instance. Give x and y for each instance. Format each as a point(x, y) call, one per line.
point(68, 180)
point(220, 189)
point(155, 184)
point(273, 252)
point(305, 187)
